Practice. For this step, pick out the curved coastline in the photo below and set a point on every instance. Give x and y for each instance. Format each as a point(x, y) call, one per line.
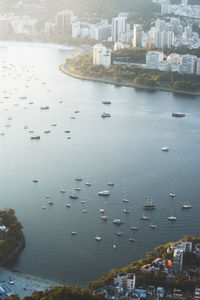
point(66, 69)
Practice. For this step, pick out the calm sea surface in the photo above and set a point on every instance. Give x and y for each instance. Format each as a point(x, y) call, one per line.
point(124, 149)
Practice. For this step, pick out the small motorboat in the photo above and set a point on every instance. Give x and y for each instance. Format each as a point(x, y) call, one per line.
point(62, 191)
point(36, 137)
point(47, 196)
point(78, 178)
point(131, 239)
point(77, 189)
point(165, 148)
point(73, 196)
point(44, 107)
point(186, 206)
point(47, 131)
point(104, 218)
point(118, 233)
point(114, 246)
point(134, 228)
point(43, 207)
point(104, 193)
point(84, 211)
point(35, 180)
point(105, 115)
point(153, 226)
point(172, 218)
point(88, 184)
point(178, 114)
point(172, 195)
point(73, 233)
point(67, 131)
point(98, 238)
point(117, 221)
point(125, 200)
point(50, 202)
point(110, 184)
point(126, 211)
point(68, 205)
point(106, 102)
point(101, 210)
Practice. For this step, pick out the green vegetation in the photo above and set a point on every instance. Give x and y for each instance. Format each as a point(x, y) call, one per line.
point(14, 238)
point(64, 293)
point(131, 54)
point(133, 74)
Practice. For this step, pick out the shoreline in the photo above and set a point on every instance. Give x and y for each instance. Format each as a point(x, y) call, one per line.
point(65, 68)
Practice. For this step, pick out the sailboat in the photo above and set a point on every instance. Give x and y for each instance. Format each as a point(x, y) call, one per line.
point(149, 205)
point(171, 217)
point(145, 217)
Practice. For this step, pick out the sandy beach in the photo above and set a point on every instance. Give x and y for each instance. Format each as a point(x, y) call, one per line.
point(23, 284)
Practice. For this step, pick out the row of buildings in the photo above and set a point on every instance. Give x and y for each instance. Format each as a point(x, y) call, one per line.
point(184, 64)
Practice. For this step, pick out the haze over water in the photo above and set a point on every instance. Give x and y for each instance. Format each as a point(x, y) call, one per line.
point(124, 149)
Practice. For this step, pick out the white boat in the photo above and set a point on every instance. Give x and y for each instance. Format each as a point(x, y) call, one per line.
point(78, 178)
point(53, 124)
point(172, 217)
point(114, 246)
point(50, 202)
point(134, 228)
point(73, 196)
point(77, 189)
point(104, 218)
point(106, 102)
point(149, 205)
point(43, 207)
point(165, 148)
point(88, 184)
point(126, 211)
point(101, 210)
point(36, 137)
point(105, 115)
point(153, 226)
point(62, 191)
point(125, 200)
point(67, 131)
point(172, 194)
point(73, 118)
point(73, 233)
point(104, 193)
point(110, 184)
point(145, 217)
point(118, 233)
point(83, 201)
point(47, 196)
point(186, 205)
point(117, 221)
point(68, 205)
point(84, 211)
point(98, 238)
point(44, 107)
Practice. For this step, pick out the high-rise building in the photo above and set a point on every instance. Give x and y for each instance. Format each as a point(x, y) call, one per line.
point(125, 281)
point(76, 29)
point(188, 64)
point(197, 293)
point(118, 27)
point(63, 22)
point(177, 260)
point(101, 55)
point(137, 35)
point(153, 58)
point(198, 66)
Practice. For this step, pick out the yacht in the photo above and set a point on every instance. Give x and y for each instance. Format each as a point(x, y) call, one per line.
point(101, 210)
point(105, 115)
point(186, 206)
point(125, 200)
point(118, 233)
point(126, 211)
point(178, 114)
point(104, 218)
point(117, 221)
point(165, 148)
point(36, 137)
point(172, 194)
point(73, 233)
point(149, 205)
point(98, 238)
point(153, 226)
point(106, 102)
point(134, 228)
point(104, 193)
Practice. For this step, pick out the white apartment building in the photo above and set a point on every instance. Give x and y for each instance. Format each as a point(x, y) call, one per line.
point(153, 58)
point(119, 25)
point(177, 260)
point(63, 22)
point(125, 281)
point(120, 45)
point(76, 29)
point(188, 64)
point(101, 55)
point(137, 35)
